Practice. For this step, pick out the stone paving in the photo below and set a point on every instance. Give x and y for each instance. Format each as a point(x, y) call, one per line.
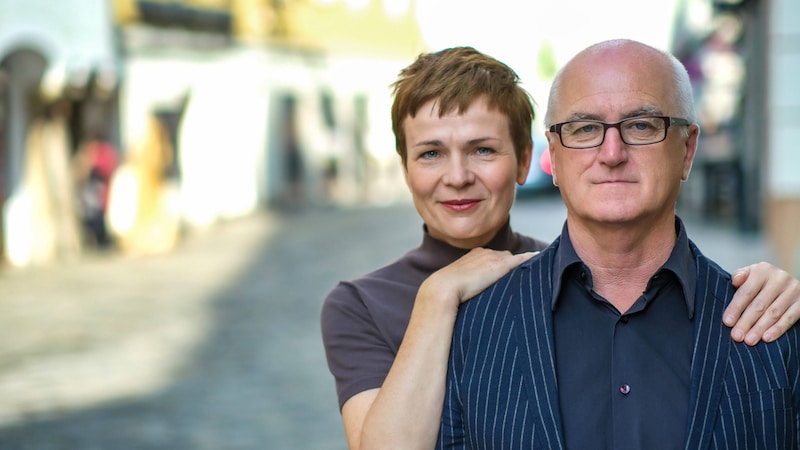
point(215, 345)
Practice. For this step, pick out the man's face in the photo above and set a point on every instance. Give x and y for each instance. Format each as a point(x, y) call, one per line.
point(461, 171)
point(616, 182)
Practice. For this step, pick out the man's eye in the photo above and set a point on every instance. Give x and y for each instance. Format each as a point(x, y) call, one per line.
point(581, 129)
point(640, 125)
point(484, 151)
point(587, 128)
point(430, 154)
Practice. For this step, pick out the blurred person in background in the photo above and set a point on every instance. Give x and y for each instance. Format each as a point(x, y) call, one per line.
point(94, 164)
point(462, 125)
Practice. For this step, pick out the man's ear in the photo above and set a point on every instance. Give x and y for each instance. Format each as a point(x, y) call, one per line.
point(691, 150)
point(550, 136)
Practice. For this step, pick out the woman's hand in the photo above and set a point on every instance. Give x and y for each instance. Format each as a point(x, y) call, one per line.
point(469, 275)
point(766, 303)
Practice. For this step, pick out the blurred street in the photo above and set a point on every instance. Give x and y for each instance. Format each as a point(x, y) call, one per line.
point(215, 345)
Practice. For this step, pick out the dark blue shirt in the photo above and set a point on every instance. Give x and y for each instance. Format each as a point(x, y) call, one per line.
point(623, 379)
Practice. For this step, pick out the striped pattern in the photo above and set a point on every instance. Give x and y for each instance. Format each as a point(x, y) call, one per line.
point(502, 390)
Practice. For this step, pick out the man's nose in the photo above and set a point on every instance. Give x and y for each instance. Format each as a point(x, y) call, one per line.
point(613, 150)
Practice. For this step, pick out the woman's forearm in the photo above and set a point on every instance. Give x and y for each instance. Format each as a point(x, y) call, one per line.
point(407, 411)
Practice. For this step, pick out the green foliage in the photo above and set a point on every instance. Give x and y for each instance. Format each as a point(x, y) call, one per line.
point(546, 61)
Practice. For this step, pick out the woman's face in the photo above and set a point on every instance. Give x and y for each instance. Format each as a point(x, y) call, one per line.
point(461, 170)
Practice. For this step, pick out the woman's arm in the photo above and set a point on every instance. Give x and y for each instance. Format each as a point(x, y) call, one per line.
point(766, 303)
point(406, 411)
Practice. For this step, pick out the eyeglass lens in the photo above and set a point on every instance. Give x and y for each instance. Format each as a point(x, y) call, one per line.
point(635, 131)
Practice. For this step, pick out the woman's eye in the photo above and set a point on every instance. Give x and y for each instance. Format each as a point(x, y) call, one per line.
point(484, 151)
point(430, 154)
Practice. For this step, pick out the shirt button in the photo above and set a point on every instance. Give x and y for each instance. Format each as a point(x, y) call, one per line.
point(624, 389)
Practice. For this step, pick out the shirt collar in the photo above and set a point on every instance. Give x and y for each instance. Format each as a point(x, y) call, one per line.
point(680, 262)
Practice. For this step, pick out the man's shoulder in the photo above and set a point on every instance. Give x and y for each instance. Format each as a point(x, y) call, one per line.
point(530, 280)
point(529, 244)
point(706, 264)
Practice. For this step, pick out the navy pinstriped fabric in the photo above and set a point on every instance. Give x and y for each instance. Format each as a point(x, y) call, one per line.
point(501, 383)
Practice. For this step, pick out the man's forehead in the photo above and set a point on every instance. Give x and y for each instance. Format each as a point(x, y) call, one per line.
point(614, 83)
point(611, 105)
point(612, 70)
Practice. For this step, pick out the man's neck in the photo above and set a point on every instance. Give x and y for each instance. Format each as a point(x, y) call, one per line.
point(622, 258)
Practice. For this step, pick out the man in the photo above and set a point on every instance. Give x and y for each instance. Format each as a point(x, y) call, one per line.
point(612, 337)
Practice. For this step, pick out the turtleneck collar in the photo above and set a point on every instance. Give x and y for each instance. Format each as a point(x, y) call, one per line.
point(433, 254)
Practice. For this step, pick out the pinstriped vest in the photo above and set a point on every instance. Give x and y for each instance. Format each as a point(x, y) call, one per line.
point(502, 389)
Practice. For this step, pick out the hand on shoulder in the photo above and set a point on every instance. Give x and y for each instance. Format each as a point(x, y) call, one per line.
point(469, 275)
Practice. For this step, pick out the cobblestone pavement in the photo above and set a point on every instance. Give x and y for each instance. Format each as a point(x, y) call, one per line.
point(215, 345)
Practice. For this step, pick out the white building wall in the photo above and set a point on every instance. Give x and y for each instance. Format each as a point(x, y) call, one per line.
point(75, 36)
point(782, 175)
point(227, 138)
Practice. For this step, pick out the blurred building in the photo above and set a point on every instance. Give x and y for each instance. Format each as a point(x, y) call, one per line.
point(59, 78)
point(276, 103)
point(217, 108)
point(743, 56)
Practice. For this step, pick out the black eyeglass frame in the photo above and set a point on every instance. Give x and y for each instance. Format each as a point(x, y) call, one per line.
point(668, 121)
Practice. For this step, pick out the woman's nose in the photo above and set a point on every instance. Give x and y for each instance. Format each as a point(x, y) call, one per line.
point(459, 172)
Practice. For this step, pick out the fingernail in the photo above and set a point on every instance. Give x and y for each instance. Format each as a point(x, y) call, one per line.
point(728, 320)
point(737, 334)
point(751, 339)
point(768, 336)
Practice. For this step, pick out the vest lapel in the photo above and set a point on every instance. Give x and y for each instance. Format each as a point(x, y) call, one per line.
point(534, 335)
point(711, 349)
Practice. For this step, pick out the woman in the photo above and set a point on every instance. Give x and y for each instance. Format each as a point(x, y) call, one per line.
point(462, 126)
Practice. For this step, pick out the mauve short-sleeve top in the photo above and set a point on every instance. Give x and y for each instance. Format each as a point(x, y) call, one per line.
point(364, 320)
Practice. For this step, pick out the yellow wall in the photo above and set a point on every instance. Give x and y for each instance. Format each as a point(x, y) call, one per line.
point(124, 11)
point(335, 26)
point(329, 25)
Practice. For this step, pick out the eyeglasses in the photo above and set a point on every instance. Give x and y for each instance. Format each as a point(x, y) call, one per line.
point(642, 130)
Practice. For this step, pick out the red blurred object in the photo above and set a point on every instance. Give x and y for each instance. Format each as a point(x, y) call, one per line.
point(544, 163)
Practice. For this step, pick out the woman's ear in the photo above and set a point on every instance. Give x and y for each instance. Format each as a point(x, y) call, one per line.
point(524, 164)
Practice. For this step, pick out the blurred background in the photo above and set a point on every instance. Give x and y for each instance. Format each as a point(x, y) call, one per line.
point(181, 182)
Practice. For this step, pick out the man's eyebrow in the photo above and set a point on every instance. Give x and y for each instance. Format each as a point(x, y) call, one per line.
point(648, 110)
point(583, 116)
